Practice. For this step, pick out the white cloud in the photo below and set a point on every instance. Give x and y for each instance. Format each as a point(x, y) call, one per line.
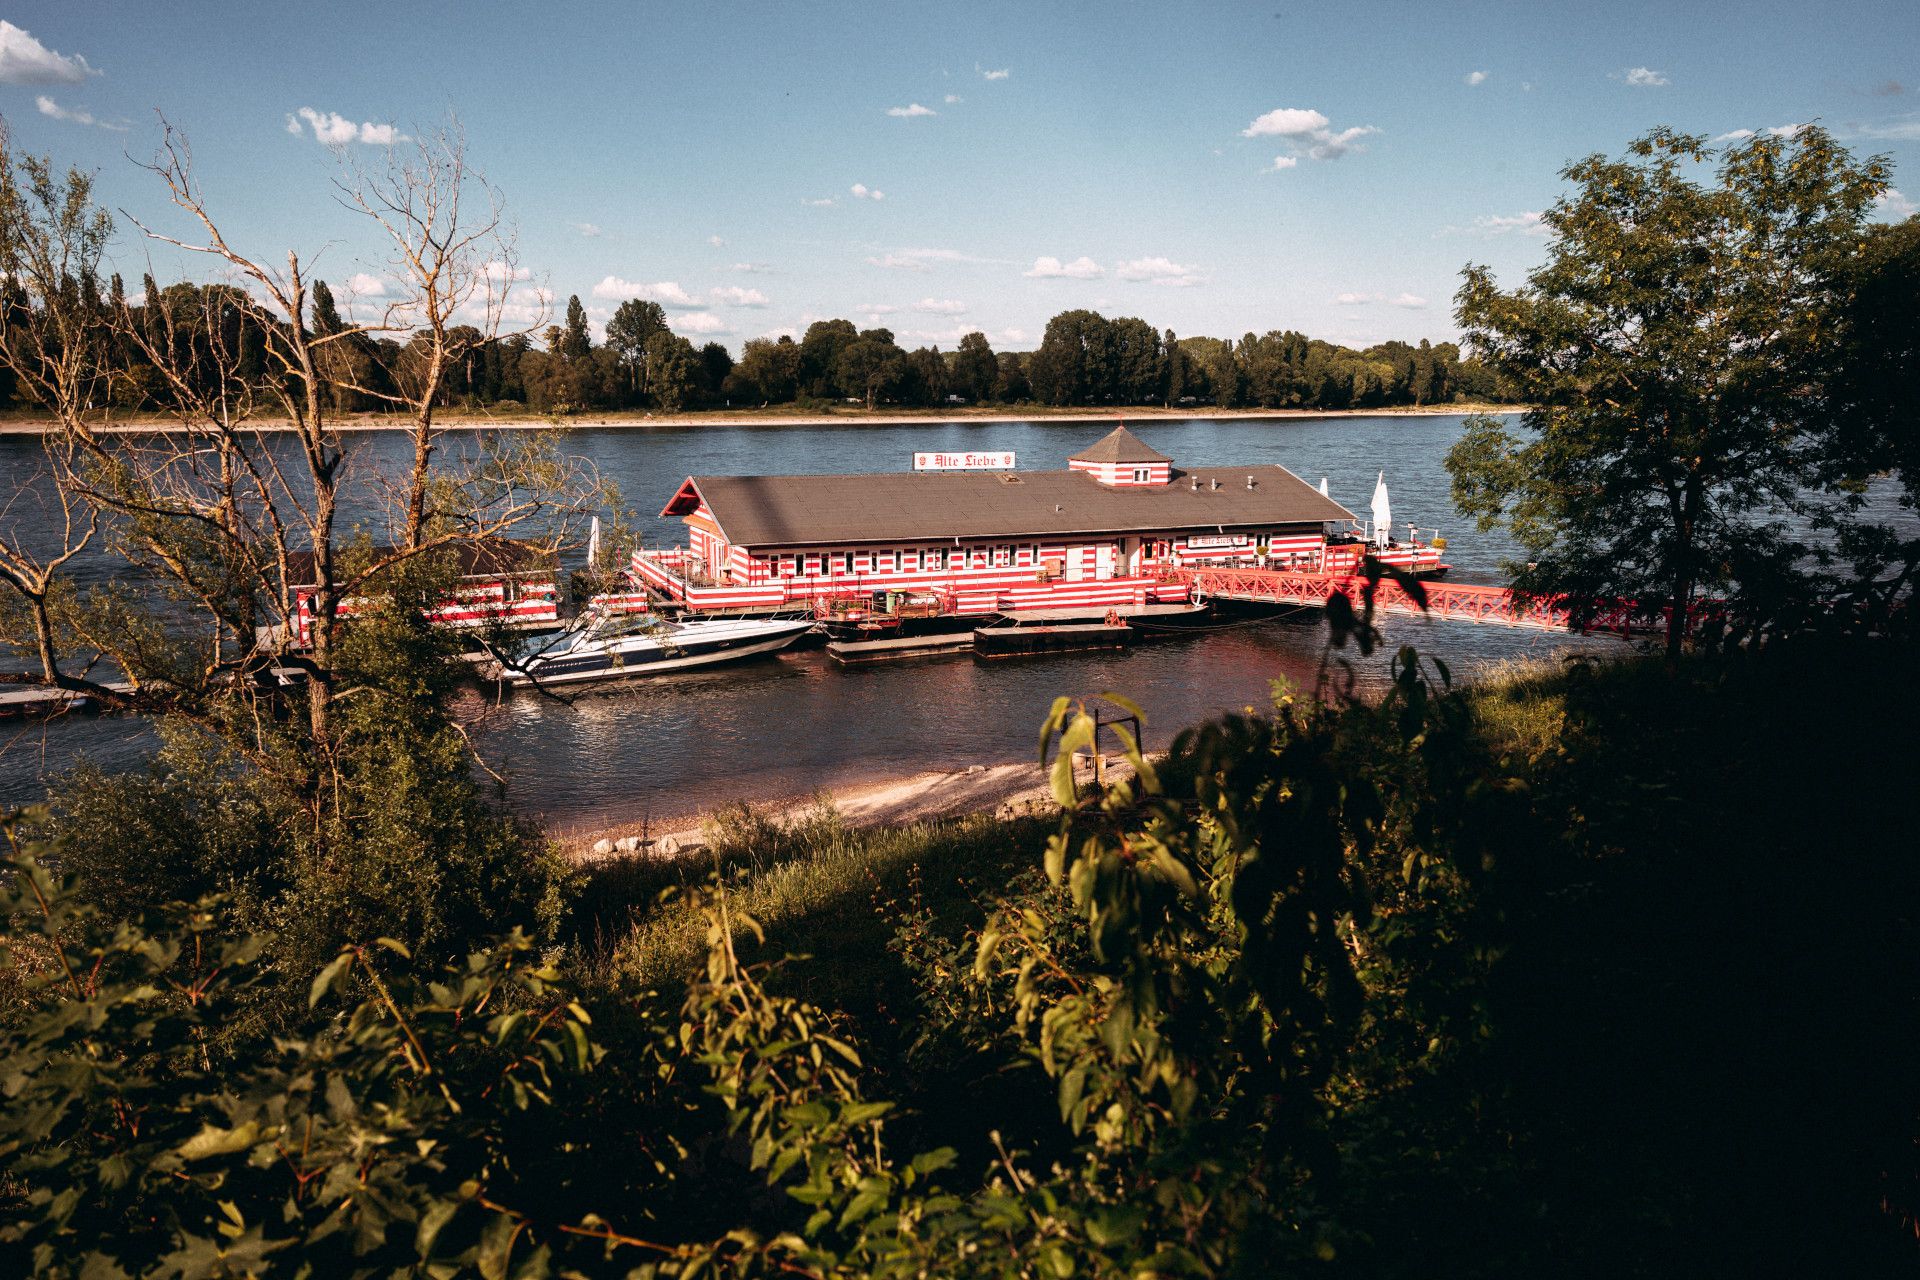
point(941, 306)
point(1281, 162)
point(861, 191)
point(1308, 132)
point(700, 322)
point(753, 268)
point(1893, 206)
point(665, 292)
point(1774, 131)
point(331, 129)
point(785, 331)
point(732, 295)
point(1646, 78)
point(951, 335)
point(872, 309)
point(911, 110)
point(952, 98)
point(24, 60)
point(1531, 222)
point(715, 241)
point(920, 259)
point(587, 229)
point(48, 107)
point(1161, 271)
point(362, 285)
point(992, 75)
point(1907, 130)
point(1476, 77)
point(822, 203)
point(1355, 299)
point(1411, 301)
point(1335, 145)
point(1286, 122)
point(1082, 268)
point(294, 126)
point(500, 272)
point(531, 305)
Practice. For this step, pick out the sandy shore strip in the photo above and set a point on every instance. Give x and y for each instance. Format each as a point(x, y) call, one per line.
point(150, 424)
point(1004, 790)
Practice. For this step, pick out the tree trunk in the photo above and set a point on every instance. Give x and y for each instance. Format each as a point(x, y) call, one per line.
point(1678, 607)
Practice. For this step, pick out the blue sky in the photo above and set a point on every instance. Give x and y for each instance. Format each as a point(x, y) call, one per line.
point(1213, 168)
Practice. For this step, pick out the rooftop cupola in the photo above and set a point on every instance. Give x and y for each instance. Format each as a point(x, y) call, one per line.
point(1121, 460)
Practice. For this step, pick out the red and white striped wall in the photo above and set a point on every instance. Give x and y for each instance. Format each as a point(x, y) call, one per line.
point(1122, 475)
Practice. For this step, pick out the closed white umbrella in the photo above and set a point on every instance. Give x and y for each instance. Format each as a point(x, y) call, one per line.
point(1323, 487)
point(1382, 512)
point(593, 542)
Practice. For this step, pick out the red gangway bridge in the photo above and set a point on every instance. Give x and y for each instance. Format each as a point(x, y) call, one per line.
point(1455, 602)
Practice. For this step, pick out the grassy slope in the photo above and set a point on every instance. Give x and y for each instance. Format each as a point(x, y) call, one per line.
point(1702, 1016)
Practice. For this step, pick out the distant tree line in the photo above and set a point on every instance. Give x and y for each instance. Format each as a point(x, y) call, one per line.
point(1086, 359)
point(1083, 359)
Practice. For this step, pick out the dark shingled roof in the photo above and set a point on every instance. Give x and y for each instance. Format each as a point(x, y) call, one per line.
point(804, 511)
point(1119, 445)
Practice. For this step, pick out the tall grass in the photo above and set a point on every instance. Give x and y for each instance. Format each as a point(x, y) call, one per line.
point(818, 886)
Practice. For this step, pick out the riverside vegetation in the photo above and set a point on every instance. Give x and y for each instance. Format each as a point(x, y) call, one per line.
point(1602, 968)
point(1603, 965)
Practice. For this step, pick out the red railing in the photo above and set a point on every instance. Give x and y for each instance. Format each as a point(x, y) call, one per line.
point(1455, 602)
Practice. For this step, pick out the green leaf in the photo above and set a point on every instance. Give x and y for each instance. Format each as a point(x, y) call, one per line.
point(211, 1141)
point(324, 980)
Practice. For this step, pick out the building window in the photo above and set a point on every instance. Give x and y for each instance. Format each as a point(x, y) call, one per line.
point(935, 560)
point(839, 563)
point(1141, 475)
point(909, 560)
point(980, 558)
point(886, 562)
point(1001, 556)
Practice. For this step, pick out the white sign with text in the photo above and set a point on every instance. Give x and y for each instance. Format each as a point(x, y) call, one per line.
point(963, 462)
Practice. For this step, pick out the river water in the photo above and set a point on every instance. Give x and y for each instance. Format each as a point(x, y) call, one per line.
point(796, 723)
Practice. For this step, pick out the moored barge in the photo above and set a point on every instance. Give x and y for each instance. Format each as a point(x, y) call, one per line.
point(932, 549)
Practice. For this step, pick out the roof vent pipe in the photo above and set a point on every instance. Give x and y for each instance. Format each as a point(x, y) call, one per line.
point(1216, 482)
point(1196, 484)
point(1249, 482)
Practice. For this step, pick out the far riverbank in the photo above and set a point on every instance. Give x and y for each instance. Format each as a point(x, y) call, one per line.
point(455, 420)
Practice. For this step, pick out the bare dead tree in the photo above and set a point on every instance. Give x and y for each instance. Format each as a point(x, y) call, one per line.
point(453, 261)
point(52, 238)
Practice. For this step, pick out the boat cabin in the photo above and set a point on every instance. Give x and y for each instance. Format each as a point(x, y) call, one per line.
point(1101, 533)
point(497, 581)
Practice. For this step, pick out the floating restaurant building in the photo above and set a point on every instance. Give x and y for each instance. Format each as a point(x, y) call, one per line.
point(1107, 533)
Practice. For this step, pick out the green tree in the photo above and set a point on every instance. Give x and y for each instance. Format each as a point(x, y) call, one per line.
point(634, 322)
point(673, 371)
point(820, 349)
point(1176, 383)
point(1880, 406)
point(769, 370)
point(1678, 347)
point(974, 368)
point(575, 340)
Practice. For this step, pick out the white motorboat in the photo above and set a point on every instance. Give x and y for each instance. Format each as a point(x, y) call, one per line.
point(603, 645)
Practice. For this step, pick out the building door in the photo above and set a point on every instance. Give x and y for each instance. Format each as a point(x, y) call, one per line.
point(1076, 566)
point(1130, 556)
point(1103, 560)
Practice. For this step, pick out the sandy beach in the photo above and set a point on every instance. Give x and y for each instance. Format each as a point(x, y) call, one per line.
point(453, 420)
point(1007, 790)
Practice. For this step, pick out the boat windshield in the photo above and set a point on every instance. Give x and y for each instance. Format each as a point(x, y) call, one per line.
point(608, 626)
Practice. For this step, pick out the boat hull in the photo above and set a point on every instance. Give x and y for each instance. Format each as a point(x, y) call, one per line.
point(654, 660)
